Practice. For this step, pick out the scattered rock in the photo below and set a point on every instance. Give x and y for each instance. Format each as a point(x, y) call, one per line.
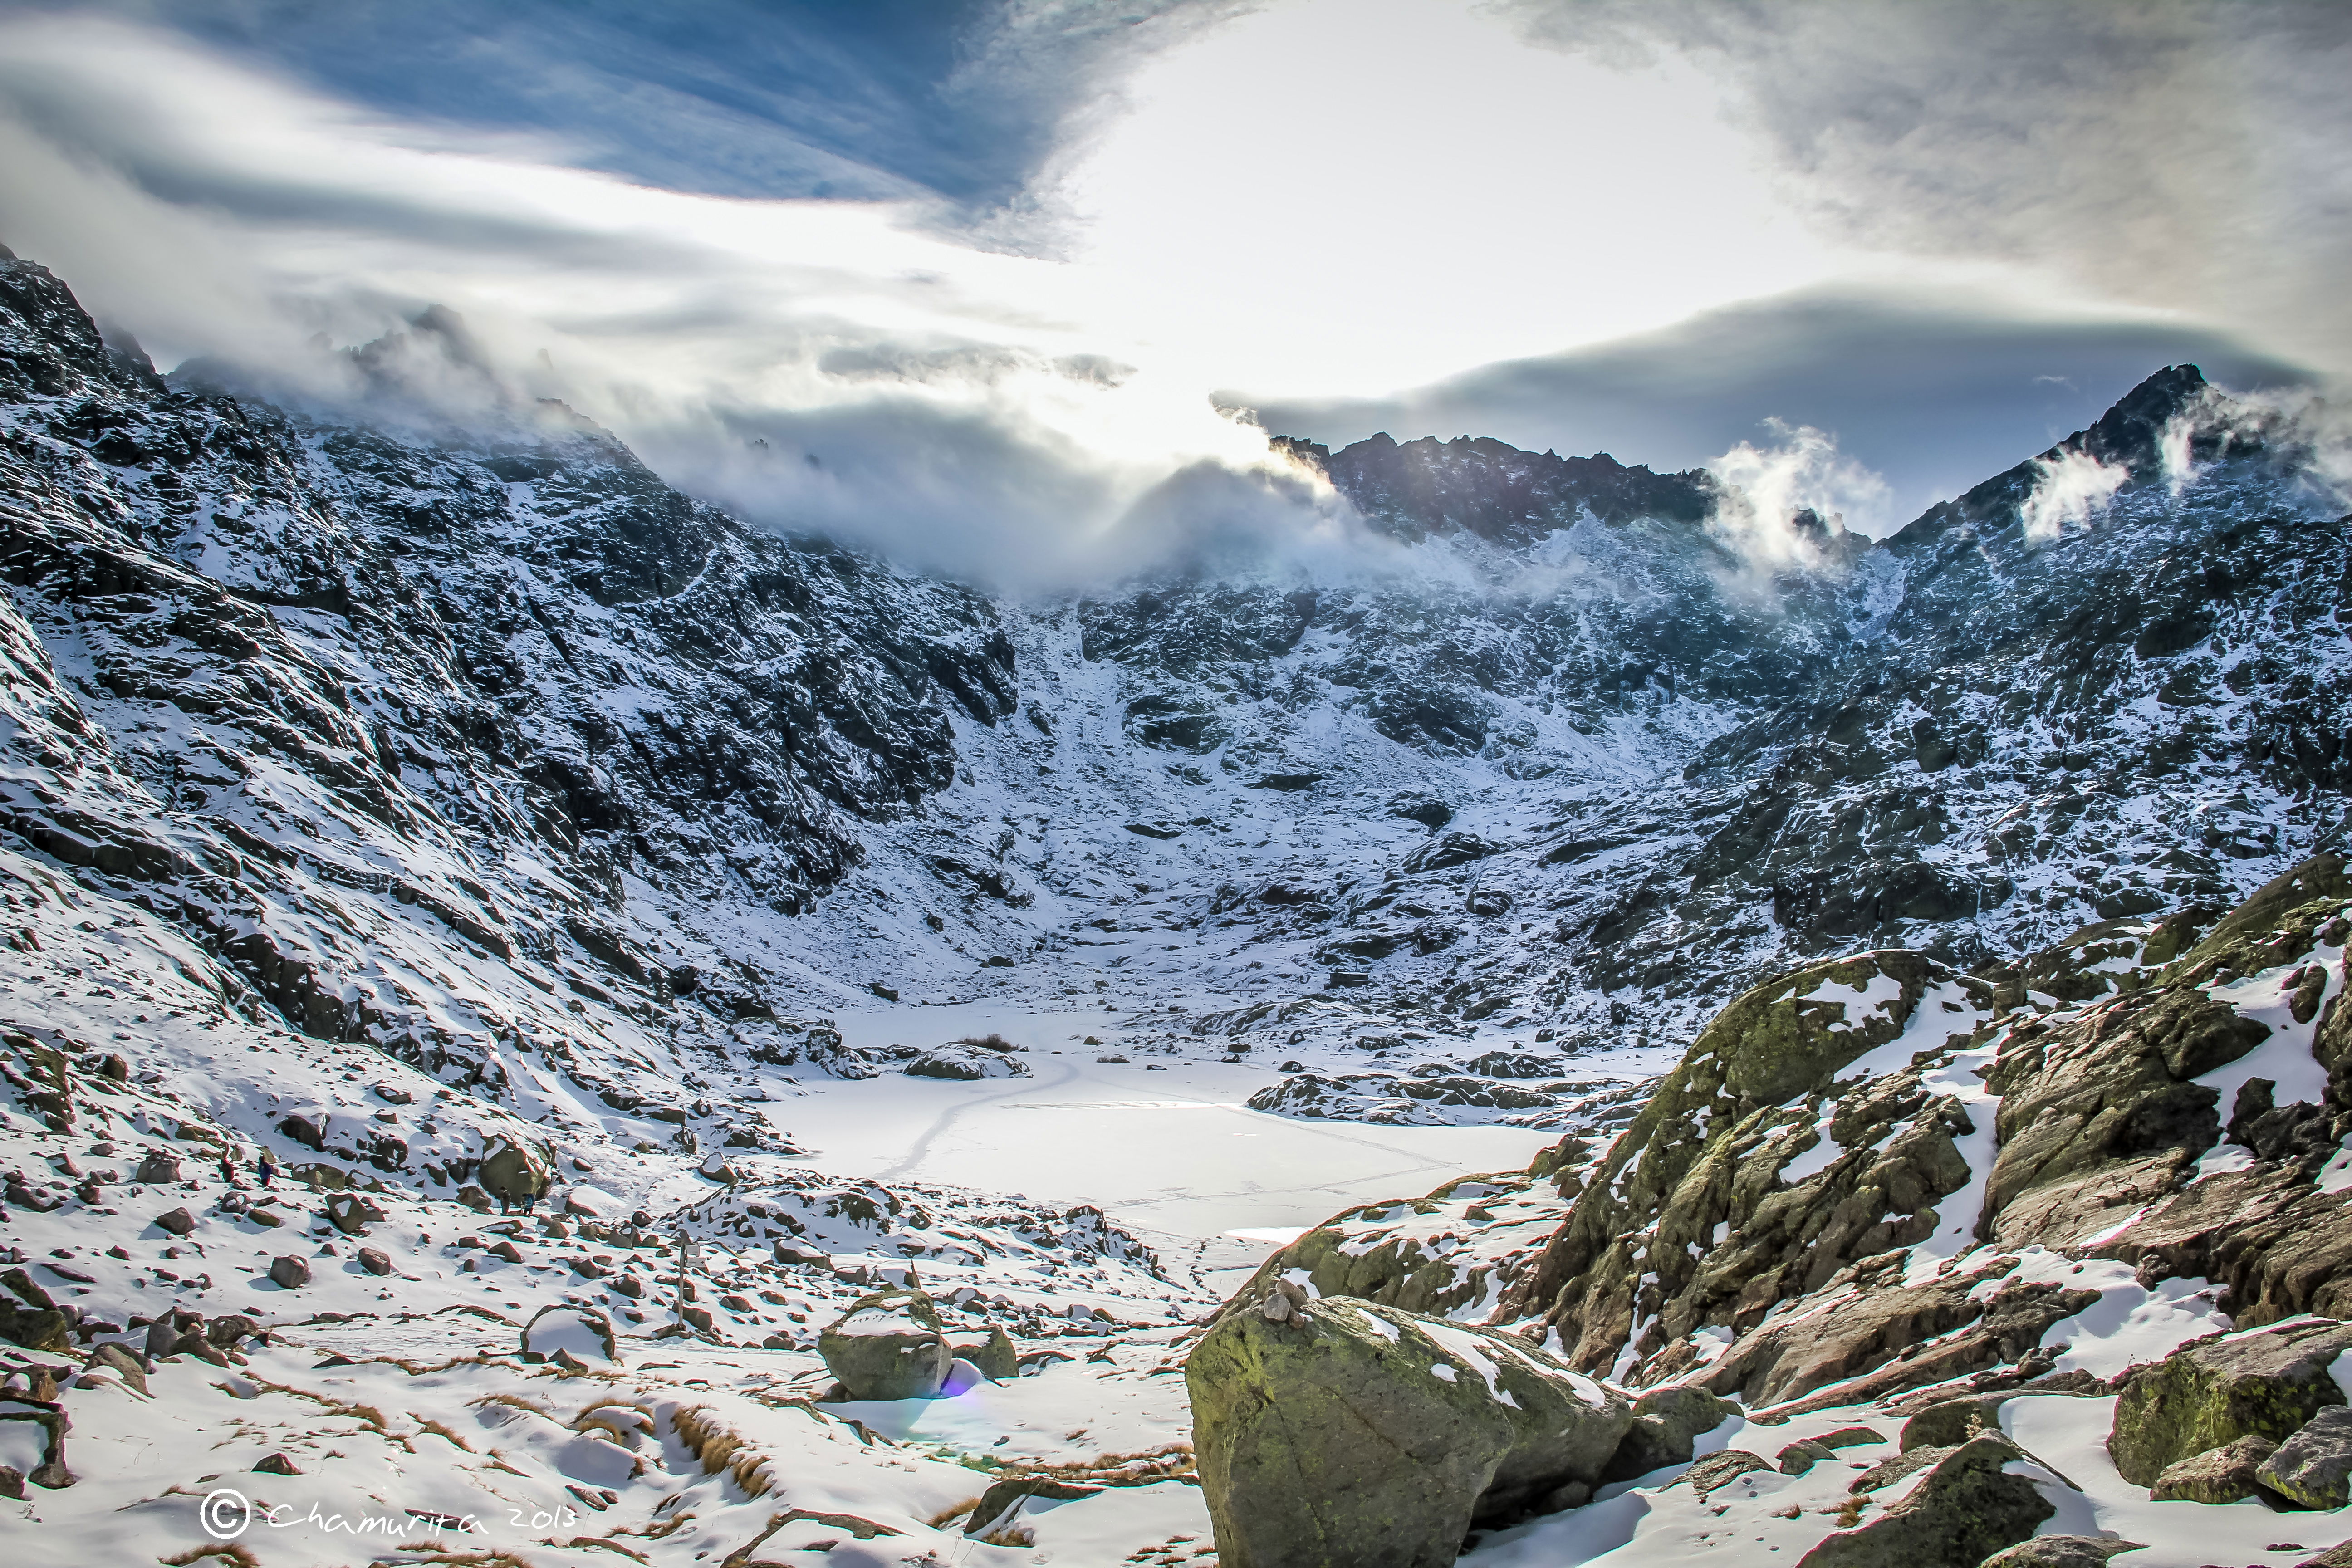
point(276, 1464)
point(179, 1222)
point(375, 1260)
point(1426, 809)
point(160, 1165)
point(290, 1271)
point(1361, 1434)
point(2226, 1474)
point(1966, 1508)
point(352, 1213)
point(2311, 1468)
point(887, 1346)
point(2264, 1382)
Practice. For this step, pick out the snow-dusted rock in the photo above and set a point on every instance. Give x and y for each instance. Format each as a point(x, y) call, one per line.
point(887, 1346)
point(580, 1332)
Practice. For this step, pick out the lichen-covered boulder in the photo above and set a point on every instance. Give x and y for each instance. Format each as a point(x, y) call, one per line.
point(2264, 1382)
point(2312, 1466)
point(514, 1174)
point(1340, 1433)
point(887, 1346)
point(2226, 1474)
point(1965, 1507)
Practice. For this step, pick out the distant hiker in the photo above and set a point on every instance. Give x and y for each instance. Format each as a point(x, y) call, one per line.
point(266, 1171)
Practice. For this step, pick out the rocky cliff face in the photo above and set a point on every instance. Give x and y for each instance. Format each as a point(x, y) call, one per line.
point(434, 737)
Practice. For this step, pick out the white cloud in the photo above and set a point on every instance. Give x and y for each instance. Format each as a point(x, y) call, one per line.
point(1768, 489)
point(1337, 196)
point(2069, 489)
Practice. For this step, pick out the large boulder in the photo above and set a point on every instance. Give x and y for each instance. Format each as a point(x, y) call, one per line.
point(1340, 1433)
point(515, 1174)
point(887, 1346)
point(1969, 1506)
point(2312, 1466)
point(2263, 1382)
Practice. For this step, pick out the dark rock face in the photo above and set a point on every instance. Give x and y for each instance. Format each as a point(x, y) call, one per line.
point(339, 690)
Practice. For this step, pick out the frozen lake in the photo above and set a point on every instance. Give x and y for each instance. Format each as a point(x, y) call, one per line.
point(1165, 1145)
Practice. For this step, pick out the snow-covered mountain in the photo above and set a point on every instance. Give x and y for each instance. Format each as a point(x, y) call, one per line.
point(493, 749)
point(458, 814)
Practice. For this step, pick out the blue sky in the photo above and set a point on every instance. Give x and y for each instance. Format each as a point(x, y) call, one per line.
point(1009, 268)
